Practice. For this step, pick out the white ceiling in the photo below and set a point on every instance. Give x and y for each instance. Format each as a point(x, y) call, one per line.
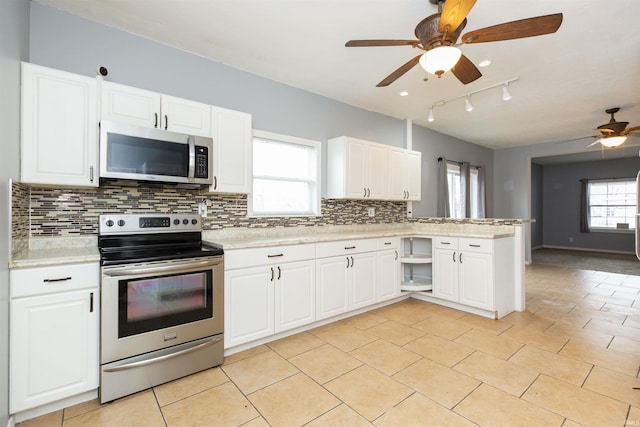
point(566, 79)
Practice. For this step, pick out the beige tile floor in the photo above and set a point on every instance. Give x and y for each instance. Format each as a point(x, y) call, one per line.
point(571, 359)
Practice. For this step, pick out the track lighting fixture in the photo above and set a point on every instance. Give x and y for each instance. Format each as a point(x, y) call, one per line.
point(506, 95)
point(467, 104)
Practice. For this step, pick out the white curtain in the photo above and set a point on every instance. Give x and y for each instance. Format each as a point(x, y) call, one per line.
point(480, 208)
point(465, 189)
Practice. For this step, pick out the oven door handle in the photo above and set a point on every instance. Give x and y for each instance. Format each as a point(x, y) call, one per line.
point(174, 267)
point(165, 357)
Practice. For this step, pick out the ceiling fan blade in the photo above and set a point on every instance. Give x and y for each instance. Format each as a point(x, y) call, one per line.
point(369, 43)
point(529, 27)
point(453, 13)
point(597, 141)
point(466, 71)
point(399, 72)
point(632, 129)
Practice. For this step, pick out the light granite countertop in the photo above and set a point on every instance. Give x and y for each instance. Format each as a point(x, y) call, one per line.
point(254, 238)
point(70, 250)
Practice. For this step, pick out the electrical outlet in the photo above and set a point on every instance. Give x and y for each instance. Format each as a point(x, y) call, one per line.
point(372, 212)
point(202, 209)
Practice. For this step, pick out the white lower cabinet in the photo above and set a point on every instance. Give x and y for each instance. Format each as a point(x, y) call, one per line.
point(270, 298)
point(346, 281)
point(474, 272)
point(389, 274)
point(54, 330)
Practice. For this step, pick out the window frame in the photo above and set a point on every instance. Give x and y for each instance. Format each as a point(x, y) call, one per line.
point(314, 184)
point(632, 223)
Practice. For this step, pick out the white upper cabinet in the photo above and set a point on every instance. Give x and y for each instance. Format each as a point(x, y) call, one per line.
point(357, 169)
point(405, 174)
point(232, 139)
point(125, 104)
point(59, 130)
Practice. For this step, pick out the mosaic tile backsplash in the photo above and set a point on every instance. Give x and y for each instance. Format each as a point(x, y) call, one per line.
point(52, 212)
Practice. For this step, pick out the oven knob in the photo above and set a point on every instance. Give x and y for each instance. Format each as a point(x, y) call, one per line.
point(194, 221)
point(121, 222)
point(185, 221)
point(109, 223)
point(176, 222)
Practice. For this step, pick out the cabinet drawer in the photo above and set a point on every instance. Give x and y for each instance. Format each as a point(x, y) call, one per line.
point(476, 245)
point(46, 280)
point(344, 247)
point(253, 257)
point(388, 243)
point(444, 242)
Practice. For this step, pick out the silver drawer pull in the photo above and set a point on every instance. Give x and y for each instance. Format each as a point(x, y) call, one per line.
point(387, 243)
point(62, 279)
point(274, 256)
point(474, 246)
point(349, 247)
point(445, 243)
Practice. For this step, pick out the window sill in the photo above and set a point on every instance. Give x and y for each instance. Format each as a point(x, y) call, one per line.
point(613, 230)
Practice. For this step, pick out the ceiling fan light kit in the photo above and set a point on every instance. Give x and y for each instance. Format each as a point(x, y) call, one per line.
point(441, 59)
point(612, 141)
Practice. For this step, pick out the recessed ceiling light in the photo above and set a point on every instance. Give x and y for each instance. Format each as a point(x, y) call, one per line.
point(404, 93)
point(485, 63)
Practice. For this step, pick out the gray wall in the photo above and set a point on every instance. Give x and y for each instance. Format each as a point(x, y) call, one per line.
point(561, 213)
point(63, 41)
point(537, 205)
point(433, 145)
point(14, 45)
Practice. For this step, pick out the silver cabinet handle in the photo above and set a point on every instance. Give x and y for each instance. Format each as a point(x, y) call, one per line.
point(275, 256)
point(387, 243)
point(368, 192)
point(460, 257)
point(165, 357)
point(396, 258)
point(215, 182)
point(365, 192)
point(454, 257)
point(349, 247)
point(279, 273)
point(91, 302)
point(90, 173)
point(166, 122)
point(155, 125)
point(272, 274)
point(445, 243)
point(474, 246)
point(347, 262)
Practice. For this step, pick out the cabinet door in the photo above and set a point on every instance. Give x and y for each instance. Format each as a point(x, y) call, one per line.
point(363, 279)
point(388, 274)
point(53, 347)
point(376, 176)
point(185, 116)
point(125, 104)
point(248, 314)
point(59, 128)
point(331, 286)
point(397, 175)
point(294, 294)
point(445, 274)
point(476, 280)
point(232, 140)
point(356, 169)
point(414, 175)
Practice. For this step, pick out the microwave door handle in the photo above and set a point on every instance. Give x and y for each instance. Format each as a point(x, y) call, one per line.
point(192, 158)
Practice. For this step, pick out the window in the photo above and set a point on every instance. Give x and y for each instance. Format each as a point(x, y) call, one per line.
point(286, 176)
point(612, 204)
point(456, 193)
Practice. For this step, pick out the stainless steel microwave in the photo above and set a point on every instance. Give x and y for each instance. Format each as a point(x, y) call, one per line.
point(148, 154)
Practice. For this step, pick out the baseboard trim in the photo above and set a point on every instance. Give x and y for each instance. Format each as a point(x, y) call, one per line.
point(573, 248)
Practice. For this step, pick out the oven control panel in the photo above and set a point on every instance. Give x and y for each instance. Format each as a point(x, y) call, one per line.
point(149, 223)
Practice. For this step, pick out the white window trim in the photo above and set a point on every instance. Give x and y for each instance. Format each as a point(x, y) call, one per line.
point(317, 145)
point(610, 229)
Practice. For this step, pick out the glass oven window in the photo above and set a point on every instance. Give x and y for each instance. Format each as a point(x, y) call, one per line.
point(152, 303)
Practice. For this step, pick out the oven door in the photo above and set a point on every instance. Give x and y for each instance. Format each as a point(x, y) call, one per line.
point(155, 305)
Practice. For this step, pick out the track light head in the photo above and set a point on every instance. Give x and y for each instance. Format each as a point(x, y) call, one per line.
point(506, 95)
point(467, 104)
point(431, 117)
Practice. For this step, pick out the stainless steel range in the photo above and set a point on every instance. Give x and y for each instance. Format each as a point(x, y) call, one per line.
point(162, 301)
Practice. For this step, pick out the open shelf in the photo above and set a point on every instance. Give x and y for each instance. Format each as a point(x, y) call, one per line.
point(416, 259)
point(421, 284)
